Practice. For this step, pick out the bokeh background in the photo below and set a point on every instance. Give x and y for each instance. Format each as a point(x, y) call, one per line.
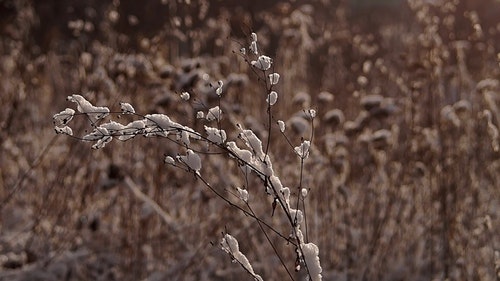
point(404, 173)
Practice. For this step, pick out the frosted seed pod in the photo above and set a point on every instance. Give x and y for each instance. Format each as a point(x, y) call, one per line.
point(254, 36)
point(262, 63)
point(304, 192)
point(215, 135)
point(192, 160)
point(281, 124)
point(253, 47)
point(185, 96)
point(218, 91)
point(64, 130)
point(274, 78)
point(303, 150)
point(243, 194)
point(214, 113)
point(169, 160)
point(63, 117)
point(272, 98)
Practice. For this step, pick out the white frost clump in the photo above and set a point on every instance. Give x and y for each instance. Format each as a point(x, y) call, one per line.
point(253, 47)
point(102, 142)
point(127, 108)
point(243, 154)
point(185, 96)
point(200, 115)
point(304, 192)
point(113, 127)
point(63, 117)
point(215, 135)
point(274, 78)
point(254, 36)
point(253, 44)
point(161, 125)
point(214, 113)
point(297, 215)
point(132, 129)
point(243, 194)
point(97, 134)
point(230, 245)
point(192, 160)
point(218, 91)
point(311, 257)
point(84, 106)
point(253, 142)
point(303, 150)
point(285, 193)
point(312, 113)
point(169, 160)
point(282, 125)
point(162, 121)
point(64, 130)
point(262, 63)
point(272, 98)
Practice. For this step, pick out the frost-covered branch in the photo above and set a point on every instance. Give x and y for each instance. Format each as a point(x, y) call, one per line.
point(247, 151)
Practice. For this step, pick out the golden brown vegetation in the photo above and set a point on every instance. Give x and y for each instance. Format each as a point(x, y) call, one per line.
point(404, 173)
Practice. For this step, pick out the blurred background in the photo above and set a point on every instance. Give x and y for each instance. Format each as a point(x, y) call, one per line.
point(404, 170)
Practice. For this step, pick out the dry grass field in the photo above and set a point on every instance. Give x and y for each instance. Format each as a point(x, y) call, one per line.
point(403, 176)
